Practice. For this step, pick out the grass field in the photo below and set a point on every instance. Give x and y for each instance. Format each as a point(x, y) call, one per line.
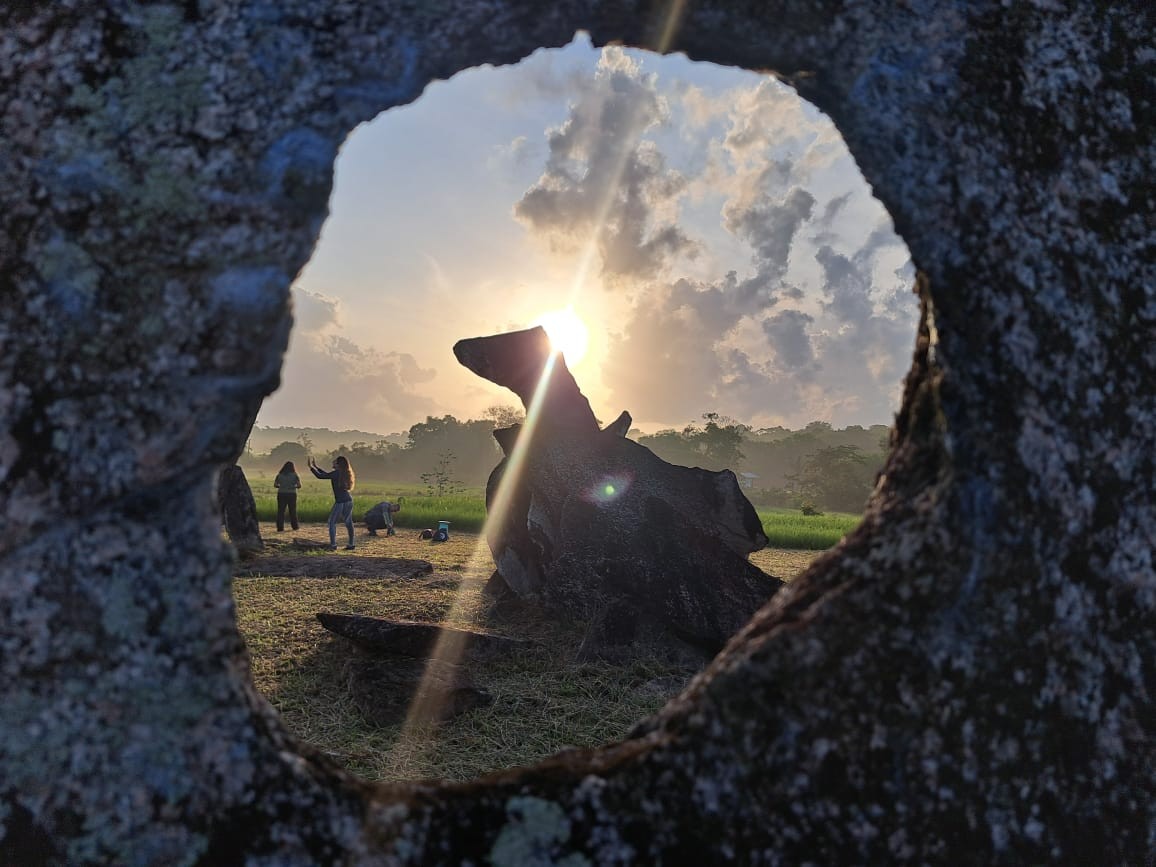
point(790, 528)
point(544, 701)
point(466, 512)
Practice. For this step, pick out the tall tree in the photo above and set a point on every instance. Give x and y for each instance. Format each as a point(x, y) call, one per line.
point(835, 477)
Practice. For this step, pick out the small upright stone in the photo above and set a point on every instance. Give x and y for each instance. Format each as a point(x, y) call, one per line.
point(239, 511)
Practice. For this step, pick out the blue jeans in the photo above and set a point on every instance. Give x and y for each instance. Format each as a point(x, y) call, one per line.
point(342, 512)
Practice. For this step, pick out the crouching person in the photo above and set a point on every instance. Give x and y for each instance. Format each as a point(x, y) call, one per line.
point(380, 517)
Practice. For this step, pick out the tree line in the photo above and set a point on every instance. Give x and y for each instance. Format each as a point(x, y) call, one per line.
point(817, 467)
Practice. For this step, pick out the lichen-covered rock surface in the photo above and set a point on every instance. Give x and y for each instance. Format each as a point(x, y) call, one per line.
point(969, 678)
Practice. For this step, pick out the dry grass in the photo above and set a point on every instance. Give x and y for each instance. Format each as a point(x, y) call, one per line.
point(543, 700)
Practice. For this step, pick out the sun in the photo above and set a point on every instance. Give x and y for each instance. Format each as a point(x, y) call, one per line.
point(567, 333)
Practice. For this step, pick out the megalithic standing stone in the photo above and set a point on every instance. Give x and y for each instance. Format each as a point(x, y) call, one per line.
point(595, 522)
point(518, 360)
point(239, 511)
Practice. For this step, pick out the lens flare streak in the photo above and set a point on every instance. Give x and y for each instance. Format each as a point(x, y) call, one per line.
point(449, 647)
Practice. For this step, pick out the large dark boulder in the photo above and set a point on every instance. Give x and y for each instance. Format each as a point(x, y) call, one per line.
point(967, 679)
point(592, 519)
point(596, 519)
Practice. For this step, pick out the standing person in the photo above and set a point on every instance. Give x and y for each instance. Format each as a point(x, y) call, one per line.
point(287, 483)
point(342, 479)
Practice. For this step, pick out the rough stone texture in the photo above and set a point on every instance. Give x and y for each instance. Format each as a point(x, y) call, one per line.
point(601, 529)
point(596, 519)
point(239, 511)
point(969, 678)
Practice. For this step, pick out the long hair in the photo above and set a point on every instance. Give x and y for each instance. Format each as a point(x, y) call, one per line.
point(348, 479)
point(288, 468)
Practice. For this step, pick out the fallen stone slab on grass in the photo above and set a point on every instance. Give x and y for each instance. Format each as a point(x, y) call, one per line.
point(333, 566)
point(416, 640)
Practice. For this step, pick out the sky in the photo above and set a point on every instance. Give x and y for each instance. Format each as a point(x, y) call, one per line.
point(708, 227)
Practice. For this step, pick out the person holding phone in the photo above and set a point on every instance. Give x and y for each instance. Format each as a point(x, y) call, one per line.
point(342, 479)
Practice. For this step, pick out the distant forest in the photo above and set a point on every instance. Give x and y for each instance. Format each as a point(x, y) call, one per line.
point(816, 467)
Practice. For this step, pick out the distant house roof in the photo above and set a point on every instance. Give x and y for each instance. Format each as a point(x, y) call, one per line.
point(748, 475)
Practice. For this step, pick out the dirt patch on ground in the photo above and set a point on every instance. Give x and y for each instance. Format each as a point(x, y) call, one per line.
point(332, 566)
point(303, 554)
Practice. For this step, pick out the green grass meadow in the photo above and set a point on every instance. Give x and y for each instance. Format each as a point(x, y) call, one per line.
point(466, 512)
point(790, 528)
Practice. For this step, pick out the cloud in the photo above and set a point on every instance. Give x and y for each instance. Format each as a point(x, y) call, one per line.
point(807, 332)
point(604, 183)
point(769, 121)
point(833, 208)
point(748, 269)
point(546, 76)
point(871, 339)
point(663, 364)
point(313, 311)
point(408, 370)
point(788, 334)
point(769, 225)
point(759, 348)
point(329, 380)
point(518, 152)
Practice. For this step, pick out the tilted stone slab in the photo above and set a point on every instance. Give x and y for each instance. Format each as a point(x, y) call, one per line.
point(594, 520)
point(416, 640)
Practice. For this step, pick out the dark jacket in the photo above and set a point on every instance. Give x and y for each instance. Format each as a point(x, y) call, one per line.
point(340, 495)
point(380, 517)
point(287, 483)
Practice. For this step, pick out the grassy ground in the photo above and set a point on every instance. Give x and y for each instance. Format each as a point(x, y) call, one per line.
point(543, 700)
point(790, 528)
point(466, 512)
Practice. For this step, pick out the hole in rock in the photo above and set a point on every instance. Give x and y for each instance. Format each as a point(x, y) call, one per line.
point(699, 243)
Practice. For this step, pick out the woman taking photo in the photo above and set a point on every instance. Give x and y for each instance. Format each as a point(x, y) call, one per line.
point(287, 483)
point(342, 479)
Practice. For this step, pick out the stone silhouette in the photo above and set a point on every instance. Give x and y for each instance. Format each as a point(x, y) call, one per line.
point(967, 679)
point(600, 528)
point(239, 511)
